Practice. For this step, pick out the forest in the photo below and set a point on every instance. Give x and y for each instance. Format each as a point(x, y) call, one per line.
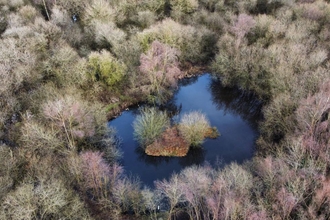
point(68, 66)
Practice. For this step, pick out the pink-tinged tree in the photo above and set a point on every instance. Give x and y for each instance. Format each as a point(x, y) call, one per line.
point(173, 191)
point(127, 196)
point(286, 202)
point(215, 198)
point(313, 122)
point(196, 183)
point(258, 215)
point(72, 116)
point(96, 173)
point(160, 64)
point(322, 197)
point(242, 26)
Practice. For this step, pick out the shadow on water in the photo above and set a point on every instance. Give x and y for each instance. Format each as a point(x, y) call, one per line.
point(188, 81)
point(195, 156)
point(235, 114)
point(236, 101)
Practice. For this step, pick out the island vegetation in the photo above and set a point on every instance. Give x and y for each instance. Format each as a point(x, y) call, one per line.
point(68, 66)
point(156, 135)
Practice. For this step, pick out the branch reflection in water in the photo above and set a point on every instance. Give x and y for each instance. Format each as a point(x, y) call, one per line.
point(235, 114)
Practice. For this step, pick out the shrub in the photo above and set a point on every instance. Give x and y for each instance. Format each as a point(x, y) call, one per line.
point(149, 125)
point(107, 34)
point(76, 7)
point(108, 143)
point(158, 6)
point(13, 4)
point(279, 118)
point(185, 6)
point(212, 5)
point(196, 46)
point(181, 8)
point(39, 140)
point(105, 68)
point(193, 126)
point(44, 200)
point(146, 18)
point(18, 61)
point(213, 21)
point(243, 25)
point(20, 203)
point(98, 10)
point(100, 27)
point(28, 13)
point(7, 165)
point(60, 17)
point(64, 67)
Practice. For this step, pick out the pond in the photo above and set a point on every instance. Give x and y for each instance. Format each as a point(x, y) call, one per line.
point(235, 114)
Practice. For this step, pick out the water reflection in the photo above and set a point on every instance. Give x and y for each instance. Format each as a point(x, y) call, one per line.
point(188, 81)
point(150, 160)
point(172, 108)
point(235, 115)
point(236, 101)
point(195, 156)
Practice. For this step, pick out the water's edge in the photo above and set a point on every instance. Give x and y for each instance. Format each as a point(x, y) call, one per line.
point(234, 114)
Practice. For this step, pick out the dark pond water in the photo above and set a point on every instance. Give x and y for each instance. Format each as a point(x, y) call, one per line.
point(234, 113)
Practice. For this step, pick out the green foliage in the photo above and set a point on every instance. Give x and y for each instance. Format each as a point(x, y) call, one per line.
point(105, 68)
point(193, 126)
point(149, 125)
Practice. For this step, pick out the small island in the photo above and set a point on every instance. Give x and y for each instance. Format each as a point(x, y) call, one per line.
point(152, 129)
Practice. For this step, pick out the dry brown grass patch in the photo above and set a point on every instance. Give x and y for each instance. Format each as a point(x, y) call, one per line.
point(169, 144)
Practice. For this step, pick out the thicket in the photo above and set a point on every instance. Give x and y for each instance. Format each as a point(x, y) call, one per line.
point(149, 125)
point(67, 64)
point(194, 127)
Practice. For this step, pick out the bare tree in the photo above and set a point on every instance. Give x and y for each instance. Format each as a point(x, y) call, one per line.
point(196, 184)
point(96, 173)
point(173, 191)
point(71, 115)
point(160, 64)
point(243, 25)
